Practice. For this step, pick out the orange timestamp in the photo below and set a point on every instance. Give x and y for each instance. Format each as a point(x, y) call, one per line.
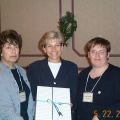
point(107, 113)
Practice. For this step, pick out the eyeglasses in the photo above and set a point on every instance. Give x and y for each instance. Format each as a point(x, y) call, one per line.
point(101, 52)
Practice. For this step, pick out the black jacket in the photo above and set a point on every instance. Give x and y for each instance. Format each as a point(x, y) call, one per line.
point(106, 96)
point(39, 74)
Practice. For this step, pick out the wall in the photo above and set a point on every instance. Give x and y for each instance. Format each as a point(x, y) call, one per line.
point(32, 18)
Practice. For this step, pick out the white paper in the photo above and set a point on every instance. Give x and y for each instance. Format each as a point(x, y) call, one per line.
point(50, 100)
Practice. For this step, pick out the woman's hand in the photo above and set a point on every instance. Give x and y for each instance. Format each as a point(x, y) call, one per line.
point(71, 105)
point(95, 118)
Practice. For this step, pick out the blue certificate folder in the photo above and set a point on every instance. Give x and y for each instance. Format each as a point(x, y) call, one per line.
point(53, 103)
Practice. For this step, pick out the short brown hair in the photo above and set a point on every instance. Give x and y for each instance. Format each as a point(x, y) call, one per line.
point(50, 35)
point(12, 37)
point(98, 41)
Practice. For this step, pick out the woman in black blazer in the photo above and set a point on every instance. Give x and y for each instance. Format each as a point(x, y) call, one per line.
point(99, 85)
point(54, 71)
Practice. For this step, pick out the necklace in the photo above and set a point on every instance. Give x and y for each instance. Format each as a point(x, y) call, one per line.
point(94, 85)
point(20, 79)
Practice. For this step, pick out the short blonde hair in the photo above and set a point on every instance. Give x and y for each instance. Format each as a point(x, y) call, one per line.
point(51, 35)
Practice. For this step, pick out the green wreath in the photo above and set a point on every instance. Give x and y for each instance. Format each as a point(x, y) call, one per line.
point(67, 25)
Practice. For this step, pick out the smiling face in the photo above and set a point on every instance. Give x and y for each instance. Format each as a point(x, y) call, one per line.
point(53, 49)
point(98, 56)
point(10, 53)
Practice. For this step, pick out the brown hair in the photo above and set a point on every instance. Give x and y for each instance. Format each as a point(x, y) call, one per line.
point(98, 41)
point(12, 37)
